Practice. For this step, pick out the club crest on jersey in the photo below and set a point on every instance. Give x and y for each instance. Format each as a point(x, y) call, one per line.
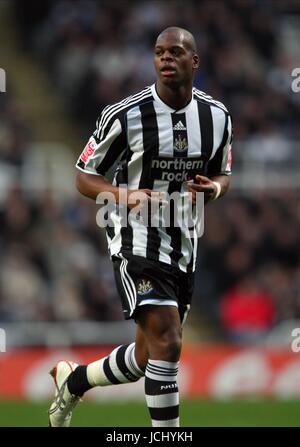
point(180, 144)
point(88, 150)
point(144, 286)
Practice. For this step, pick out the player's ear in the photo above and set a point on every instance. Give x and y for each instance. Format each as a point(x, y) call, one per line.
point(195, 61)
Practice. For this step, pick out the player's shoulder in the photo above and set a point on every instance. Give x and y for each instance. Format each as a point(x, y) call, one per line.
point(201, 96)
point(121, 107)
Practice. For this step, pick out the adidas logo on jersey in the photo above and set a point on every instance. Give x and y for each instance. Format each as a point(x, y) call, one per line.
point(179, 126)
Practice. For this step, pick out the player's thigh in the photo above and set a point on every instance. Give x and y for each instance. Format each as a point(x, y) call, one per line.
point(159, 322)
point(161, 326)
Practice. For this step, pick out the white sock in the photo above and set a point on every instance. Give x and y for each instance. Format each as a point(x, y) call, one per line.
point(161, 392)
point(119, 367)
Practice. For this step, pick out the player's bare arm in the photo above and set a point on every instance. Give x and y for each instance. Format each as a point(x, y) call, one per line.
point(91, 185)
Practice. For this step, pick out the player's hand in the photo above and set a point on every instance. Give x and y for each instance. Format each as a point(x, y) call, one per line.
point(202, 184)
point(145, 197)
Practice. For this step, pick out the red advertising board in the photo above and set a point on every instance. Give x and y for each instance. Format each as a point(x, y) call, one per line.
point(214, 371)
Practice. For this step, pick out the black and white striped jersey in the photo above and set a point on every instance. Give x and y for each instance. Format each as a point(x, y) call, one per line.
point(158, 148)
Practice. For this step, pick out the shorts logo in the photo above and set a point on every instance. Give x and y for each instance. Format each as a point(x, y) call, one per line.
point(144, 287)
point(180, 144)
point(88, 150)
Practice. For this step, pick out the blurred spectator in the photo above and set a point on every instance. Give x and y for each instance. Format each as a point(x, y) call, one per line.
point(247, 311)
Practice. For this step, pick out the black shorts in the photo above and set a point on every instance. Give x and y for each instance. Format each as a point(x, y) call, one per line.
point(142, 281)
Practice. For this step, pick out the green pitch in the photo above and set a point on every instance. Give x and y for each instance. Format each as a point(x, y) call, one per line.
point(196, 413)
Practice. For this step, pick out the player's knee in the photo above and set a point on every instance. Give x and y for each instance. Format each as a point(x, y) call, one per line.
point(167, 345)
point(173, 350)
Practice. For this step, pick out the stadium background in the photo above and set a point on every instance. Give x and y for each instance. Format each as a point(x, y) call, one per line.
point(64, 60)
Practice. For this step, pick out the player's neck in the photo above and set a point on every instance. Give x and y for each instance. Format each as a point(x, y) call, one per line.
point(175, 97)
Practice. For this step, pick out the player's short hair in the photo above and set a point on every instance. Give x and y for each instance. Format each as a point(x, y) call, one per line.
point(188, 38)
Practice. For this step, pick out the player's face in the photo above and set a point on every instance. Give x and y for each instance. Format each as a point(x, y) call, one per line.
point(174, 61)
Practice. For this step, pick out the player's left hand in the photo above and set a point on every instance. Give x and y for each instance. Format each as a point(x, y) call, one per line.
point(202, 184)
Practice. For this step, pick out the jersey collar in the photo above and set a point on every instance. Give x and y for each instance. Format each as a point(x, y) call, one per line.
point(165, 106)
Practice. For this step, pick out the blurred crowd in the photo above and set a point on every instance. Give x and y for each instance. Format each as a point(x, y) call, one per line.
point(101, 51)
point(53, 261)
point(248, 277)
